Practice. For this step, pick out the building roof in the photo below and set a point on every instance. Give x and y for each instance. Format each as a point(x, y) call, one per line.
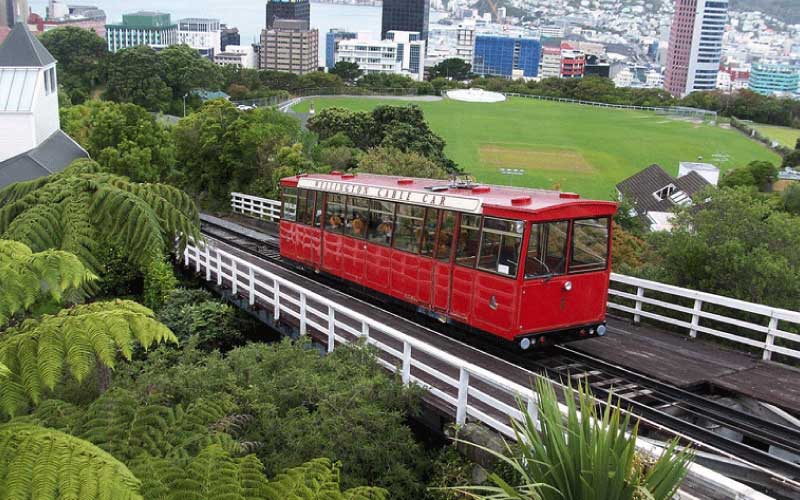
point(22, 50)
point(53, 155)
point(642, 186)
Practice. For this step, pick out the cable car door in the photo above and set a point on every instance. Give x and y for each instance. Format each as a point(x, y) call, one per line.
point(442, 263)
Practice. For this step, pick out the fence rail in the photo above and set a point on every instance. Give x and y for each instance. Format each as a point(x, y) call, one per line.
point(660, 303)
point(470, 390)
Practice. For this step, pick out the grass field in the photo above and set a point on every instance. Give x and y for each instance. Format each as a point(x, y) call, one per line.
point(784, 135)
point(567, 146)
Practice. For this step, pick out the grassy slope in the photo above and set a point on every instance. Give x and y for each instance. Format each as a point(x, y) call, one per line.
point(616, 144)
point(785, 135)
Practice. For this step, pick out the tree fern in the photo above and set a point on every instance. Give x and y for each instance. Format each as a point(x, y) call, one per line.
point(40, 351)
point(29, 278)
point(44, 464)
point(80, 208)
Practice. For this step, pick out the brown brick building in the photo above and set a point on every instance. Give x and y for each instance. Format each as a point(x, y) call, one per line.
point(290, 46)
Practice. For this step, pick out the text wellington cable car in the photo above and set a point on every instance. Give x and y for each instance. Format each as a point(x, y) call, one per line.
point(529, 266)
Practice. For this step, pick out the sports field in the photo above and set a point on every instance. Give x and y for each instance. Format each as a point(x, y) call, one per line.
point(784, 135)
point(568, 146)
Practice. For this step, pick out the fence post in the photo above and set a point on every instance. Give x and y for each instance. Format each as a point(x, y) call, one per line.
point(276, 299)
point(533, 411)
point(698, 306)
point(302, 313)
point(234, 277)
point(406, 362)
point(208, 264)
point(773, 325)
point(639, 294)
point(197, 259)
point(186, 256)
point(331, 328)
point(463, 390)
point(252, 279)
point(219, 268)
point(365, 330)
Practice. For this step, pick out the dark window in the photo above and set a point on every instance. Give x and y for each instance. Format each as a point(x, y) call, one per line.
point(429, 231)
point(501, 242)
point(357, 217)
point(318, 214)
point(334, 216)
point(547, 249)
point(289, 205)
point(469, 239)
point(409, 227)
point(589, 245)
point(305, 206)
point(445, 238)
point(381, 222)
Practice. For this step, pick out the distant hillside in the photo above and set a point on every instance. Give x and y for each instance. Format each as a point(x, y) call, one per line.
point(787, 11)
point(483, 6)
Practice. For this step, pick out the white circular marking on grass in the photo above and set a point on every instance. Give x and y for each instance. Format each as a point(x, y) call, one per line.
point(475, 95)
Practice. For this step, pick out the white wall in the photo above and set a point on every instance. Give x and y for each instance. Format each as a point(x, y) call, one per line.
point(17, 134)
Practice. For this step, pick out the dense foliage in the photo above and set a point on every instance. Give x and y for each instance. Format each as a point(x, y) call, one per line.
point(347, 71)
point(453, 68)
point(81, 56)
point(758, 174)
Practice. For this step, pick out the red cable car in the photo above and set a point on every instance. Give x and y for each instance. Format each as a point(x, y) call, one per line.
point(529, 266)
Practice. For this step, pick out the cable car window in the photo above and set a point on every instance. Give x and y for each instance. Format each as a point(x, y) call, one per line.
point(381, 222)
point(445, 238)
point(357, 217)
point(318, 213)
point(469, 240)
point(409, 227)
point(429, 231)
point(589, 245)
point(334, 215)
point(289, 205)
point(547, 249)
point(305, 206)
point(500, 246)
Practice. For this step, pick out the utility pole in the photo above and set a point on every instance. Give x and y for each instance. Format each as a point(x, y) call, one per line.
point(184, 104)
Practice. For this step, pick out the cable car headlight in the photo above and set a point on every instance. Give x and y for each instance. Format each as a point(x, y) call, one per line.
point(601, 330)
point(568, 286)
point(525, 344)
point(519, 227)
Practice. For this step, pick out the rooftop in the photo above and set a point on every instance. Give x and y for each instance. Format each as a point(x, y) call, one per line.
point(51, 156)
point(22, 50)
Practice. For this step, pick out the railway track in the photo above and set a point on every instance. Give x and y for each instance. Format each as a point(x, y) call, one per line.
point(660, 406)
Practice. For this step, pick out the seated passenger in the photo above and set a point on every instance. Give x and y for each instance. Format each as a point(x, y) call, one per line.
point(385, 229)
point(359, 225)
point(335, 222)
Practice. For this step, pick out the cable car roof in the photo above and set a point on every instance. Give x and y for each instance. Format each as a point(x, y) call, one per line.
point(443, 193)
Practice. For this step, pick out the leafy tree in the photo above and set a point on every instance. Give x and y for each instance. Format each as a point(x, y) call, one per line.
point(737, 177)
point(628, 219)
point(390, 161)
point(124, 138)
point(760, 174)
point(318, 80)
point(359, 127)
point(454, 68)
point(592, 455)
point(791, 198)
point(347, 71)
point(186, 70)
point(81, 56)
point(136, 75)
point(278, 80)
point(79, 210)
point(797, 144)
point(46, 464)
point(792, 160)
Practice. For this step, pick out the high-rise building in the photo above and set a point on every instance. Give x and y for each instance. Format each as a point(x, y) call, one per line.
point(296, 10)
point(405, 15)
point(11, 12)
point(290, 46)
point(154, 29)
point(201, 34)
point(573, 63)
point(507, 57)
point(695, 45)
point(228, 36)
point(551, 62)
point(402, 53)
point(465, 42)
point(332, 39)
point(770, 79)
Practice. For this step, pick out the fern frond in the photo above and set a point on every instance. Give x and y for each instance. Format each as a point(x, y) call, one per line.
point(45, 464)
point(39, 352)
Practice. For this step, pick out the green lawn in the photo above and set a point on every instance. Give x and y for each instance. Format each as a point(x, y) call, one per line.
point(571, 147)
point(784, 135)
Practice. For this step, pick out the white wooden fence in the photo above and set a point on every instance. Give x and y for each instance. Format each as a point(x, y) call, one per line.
point(659, 302)
point(474, 392)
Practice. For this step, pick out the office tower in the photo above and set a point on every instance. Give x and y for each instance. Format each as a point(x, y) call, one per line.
point(405, 15)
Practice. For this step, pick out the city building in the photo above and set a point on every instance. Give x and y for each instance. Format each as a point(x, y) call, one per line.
point(243, 56)
point(596, 66)
point(767, 79)
point(733, 78)
point(695, 45)
point(402, 53)
point(228, 36)
point(290, 46)
point(296, 10)
point(332, 39)
point(88, 17)
point(203, 35)
point(405, 15)
point(31, 141)
point(507, 57)
point(11, 12)
point(551, 62)
point(573, 63)
point(154, 29)
point(465, 42)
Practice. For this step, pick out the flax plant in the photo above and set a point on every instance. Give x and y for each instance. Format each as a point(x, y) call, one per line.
point(589, 455)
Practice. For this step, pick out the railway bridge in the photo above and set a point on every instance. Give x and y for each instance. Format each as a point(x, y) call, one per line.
point(653, 373)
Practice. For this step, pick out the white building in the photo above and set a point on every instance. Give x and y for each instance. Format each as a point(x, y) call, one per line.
point(243, 56)
point(465, 42)
point(550, 66)
point(200, 34)
point(402, 52)
point(31, 141)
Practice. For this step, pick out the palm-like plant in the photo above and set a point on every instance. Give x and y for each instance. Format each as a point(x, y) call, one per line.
point(589, 456)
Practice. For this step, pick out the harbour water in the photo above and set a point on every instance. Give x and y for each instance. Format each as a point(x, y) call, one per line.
point(247, 15)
